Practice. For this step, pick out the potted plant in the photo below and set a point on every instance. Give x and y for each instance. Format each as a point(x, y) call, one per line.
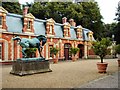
point(74, 51)
point(30, 52)
point(117, 50)
point(54, 52)
point(101, 49)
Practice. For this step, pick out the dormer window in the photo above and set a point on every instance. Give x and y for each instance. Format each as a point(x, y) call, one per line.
point(79, 32)
point(50, 27)
point(28, 23)
point(66, 30)
point(90, 34)
point(3, 13)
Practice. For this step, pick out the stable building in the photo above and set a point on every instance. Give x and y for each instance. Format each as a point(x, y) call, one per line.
point(63, 36)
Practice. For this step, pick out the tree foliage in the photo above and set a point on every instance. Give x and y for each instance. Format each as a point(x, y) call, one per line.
point(86, 14)
point(100, 47)
point(74, 50)
point(12, 7)
point(109, 30)
point(117, 29)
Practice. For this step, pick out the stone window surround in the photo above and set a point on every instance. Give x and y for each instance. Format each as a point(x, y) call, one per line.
point(50, 27)
point(3, 13)
point(28, 23)
point(66, 30)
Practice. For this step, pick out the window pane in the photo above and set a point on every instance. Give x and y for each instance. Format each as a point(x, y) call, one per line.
point(29, 24)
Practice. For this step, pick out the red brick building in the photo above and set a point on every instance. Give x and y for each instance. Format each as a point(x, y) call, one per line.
point(58, 35)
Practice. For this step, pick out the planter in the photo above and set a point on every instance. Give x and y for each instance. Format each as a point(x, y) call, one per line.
point(55, 60)
point(118, 60)
point(102, 67)
point(73, 59)
point(118, 63)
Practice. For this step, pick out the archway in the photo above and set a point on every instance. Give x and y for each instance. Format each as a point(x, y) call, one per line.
point(67, 46)
point(81, 52)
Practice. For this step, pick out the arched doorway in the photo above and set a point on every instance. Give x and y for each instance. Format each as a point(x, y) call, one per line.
point(67, 46)
point(81, 52)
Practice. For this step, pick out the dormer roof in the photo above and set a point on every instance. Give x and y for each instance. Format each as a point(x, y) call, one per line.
point(29, 15)
point(3, 10)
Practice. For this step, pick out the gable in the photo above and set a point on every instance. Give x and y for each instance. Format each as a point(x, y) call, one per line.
point(29, 16)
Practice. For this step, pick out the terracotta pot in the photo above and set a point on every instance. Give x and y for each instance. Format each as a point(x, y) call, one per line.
point(73, 59)
point(55, 60)
point(118, 62)
point(102, 67)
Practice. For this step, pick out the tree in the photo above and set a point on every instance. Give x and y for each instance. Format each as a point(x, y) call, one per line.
point(101, 47)
point(117, 31)
point(86, 14)
point(109, 29)
point(12, 7)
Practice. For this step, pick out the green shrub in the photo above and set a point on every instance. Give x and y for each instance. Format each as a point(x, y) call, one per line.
point(54, 50)
point(74, 51)
point(30, 51)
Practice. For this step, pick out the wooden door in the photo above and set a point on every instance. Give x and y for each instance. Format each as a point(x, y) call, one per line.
point(81, 52)
point(66, 53)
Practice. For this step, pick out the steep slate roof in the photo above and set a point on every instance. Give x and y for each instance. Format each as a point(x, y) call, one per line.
point(73, 33)
point(58, 30)
point(39, 27)
point(15, 24)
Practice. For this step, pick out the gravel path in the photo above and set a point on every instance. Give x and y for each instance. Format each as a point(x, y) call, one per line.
point(66, 74)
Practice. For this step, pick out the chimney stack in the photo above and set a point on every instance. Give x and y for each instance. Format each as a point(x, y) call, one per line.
point(64, 20)
point(25, 10)
point(72, 23)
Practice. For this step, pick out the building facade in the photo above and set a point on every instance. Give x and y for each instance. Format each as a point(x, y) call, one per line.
point(63, 36)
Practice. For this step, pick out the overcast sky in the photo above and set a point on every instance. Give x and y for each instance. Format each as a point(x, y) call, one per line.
point(108, 8)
